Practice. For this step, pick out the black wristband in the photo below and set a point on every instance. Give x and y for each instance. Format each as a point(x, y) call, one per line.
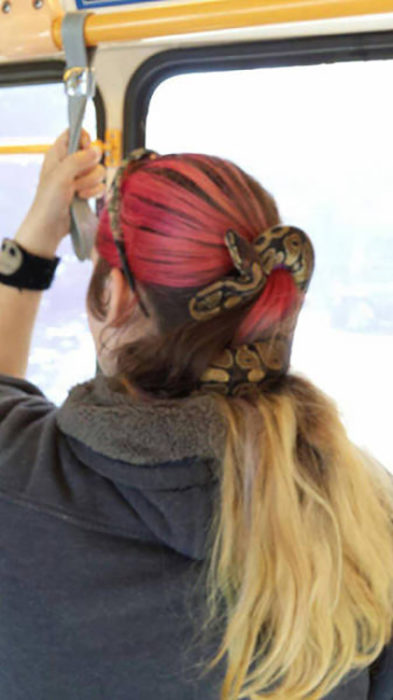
point(21, 269)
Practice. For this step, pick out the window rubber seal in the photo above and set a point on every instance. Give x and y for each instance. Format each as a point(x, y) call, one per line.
point(304, 51)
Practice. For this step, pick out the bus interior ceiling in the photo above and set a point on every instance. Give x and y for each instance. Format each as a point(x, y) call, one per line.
point(29, 31)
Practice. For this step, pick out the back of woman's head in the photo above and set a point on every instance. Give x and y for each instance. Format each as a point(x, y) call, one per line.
point(173, 214)
point(301, 544)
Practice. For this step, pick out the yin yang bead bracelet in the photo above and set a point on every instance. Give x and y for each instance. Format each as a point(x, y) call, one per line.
point(21, 269)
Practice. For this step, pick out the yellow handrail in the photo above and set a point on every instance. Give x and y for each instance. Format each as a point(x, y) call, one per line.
point(32, 148)
point(209, 15)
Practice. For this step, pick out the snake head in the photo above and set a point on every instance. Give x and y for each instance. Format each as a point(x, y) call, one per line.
point(242, 253)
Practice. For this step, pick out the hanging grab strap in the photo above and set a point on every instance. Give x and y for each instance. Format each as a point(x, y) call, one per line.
point(79, 83)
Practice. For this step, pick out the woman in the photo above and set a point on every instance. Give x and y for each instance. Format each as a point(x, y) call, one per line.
point(194, 522)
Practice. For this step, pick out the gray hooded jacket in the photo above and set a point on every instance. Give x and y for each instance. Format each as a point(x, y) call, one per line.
point(105, 506)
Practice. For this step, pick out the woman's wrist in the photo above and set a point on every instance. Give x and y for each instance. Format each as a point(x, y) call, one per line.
point(33, 237)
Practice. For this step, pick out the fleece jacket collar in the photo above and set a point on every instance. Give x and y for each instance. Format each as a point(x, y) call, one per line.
point(101, 414)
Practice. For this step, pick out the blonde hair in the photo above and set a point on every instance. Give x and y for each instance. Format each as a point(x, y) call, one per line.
point(301, 548)
point(301, 543)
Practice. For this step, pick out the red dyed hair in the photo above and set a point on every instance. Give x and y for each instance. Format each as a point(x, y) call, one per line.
point(174, 213)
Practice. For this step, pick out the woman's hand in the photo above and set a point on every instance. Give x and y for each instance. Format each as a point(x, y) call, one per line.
point(62, 176)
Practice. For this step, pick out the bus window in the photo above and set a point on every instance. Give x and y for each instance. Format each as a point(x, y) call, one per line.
point(38, 114)
point(318, 137)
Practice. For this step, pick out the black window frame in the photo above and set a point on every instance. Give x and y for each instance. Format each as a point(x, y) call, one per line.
point(44, 72)
point(304, 51)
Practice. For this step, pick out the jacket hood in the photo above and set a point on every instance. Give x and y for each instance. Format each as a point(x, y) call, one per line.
point(161, 455)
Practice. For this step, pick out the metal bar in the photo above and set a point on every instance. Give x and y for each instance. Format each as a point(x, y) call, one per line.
point(212, 15)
